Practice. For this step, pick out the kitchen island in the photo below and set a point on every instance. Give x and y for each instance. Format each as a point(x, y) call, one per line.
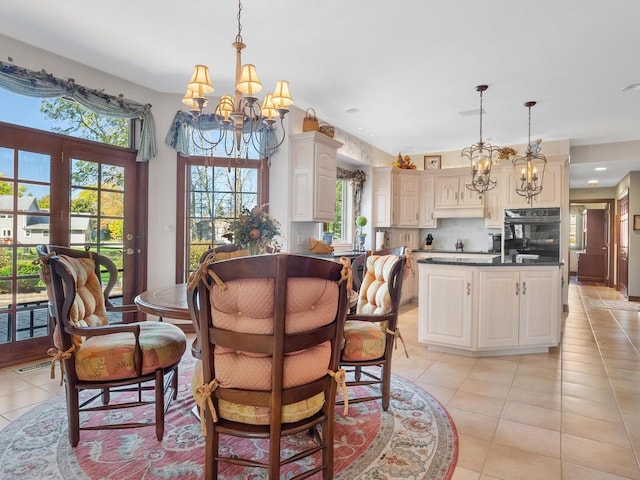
point(483, 306)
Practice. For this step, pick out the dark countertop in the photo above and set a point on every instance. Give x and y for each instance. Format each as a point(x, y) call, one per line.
point(493, 262)
point(349, 254)
point(469, 252)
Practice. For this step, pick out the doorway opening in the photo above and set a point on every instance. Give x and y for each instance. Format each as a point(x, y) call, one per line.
point(591, 240)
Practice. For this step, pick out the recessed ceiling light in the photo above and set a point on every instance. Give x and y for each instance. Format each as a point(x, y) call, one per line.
point(600, 169)
point(593, 183)
point(633, 86)
point(352, 110)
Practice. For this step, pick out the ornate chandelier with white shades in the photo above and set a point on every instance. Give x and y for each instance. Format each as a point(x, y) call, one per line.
point(239, 122)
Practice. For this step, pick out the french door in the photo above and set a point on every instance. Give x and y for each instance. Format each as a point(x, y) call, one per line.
point(59, 190)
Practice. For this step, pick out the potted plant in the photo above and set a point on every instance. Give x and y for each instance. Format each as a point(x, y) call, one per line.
point(361, 221)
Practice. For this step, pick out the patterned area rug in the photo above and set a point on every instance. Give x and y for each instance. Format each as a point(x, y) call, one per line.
point(415, 439)
point(611, 304)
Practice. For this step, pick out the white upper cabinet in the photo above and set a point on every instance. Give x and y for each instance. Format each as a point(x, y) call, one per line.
point(408, 198)
point(551, 195)
point(452, 192)
point(493, 203)
point(427, 201)
point(314, 163)
point(396, 197)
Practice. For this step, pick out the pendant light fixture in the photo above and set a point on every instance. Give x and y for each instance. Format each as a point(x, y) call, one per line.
point(238, 121)
point(482, 156)
point(529, 169)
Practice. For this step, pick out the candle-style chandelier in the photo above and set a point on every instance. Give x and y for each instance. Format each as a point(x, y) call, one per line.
point(482, 156)
point(529, 169)
point(239, 122)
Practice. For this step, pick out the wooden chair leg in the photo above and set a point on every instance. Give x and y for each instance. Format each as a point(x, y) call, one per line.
point(274, 453)
point(174, 383)
point(386, 386)
point(159, 404)
point(106, 396)
point(211, 453)
point(327, 439)
point(73, 414)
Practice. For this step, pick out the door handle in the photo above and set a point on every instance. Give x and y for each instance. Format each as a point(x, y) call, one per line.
point(524, 288)
point(517, 288)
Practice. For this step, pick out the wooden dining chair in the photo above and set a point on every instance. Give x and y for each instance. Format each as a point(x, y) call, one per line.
point(122, 361)
point(270, 331)
point(104, 267)
point(371, 332)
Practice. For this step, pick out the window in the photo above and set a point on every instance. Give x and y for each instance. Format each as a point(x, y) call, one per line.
point(342, 229)
point(576, 235)
point(63, 116)
point(211, 193)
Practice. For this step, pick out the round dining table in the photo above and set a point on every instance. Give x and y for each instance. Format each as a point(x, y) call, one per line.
point(167, 303)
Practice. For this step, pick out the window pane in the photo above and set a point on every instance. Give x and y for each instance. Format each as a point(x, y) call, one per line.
point(33, 166)
point(84, 201)
point(6, 162)
point(112, 177)
point(84, 173)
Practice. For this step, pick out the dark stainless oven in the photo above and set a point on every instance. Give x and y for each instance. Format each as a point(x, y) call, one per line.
point(533, 231)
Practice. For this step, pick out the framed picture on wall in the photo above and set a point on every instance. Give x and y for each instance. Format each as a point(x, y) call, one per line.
point(636, 222)
point(432, 162)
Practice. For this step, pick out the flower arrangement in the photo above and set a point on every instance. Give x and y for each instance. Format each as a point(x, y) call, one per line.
point(404, 162)
point(254, 230)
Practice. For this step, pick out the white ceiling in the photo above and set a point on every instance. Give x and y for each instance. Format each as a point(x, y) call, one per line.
point(408, 67)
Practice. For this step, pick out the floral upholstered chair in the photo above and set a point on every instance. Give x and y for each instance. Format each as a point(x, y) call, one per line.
point(122, 361)
point(370, 333)
point(270, 333)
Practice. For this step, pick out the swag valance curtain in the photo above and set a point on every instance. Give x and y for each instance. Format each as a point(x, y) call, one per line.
point(44, 85)
point(357, 178)
point(180, 135)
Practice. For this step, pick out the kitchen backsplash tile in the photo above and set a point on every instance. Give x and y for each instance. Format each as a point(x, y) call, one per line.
point(471, 231)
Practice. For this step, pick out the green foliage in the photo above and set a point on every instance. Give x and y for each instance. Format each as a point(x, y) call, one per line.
point(74, 119)
point(25, 267)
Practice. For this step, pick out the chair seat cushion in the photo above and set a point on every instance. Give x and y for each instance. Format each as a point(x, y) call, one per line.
point(253, 415)
point(363, 341)
point(110, 357)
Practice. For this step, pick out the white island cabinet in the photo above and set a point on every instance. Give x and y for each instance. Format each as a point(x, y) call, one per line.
point(498, 309)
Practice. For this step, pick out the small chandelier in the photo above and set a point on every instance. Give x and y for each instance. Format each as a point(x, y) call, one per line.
point(482, 156)
point(529, 169)
point(239, 119)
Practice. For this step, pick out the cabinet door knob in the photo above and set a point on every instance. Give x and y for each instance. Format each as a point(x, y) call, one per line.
point(468, 288)
point(524, 288)
point(517, 288)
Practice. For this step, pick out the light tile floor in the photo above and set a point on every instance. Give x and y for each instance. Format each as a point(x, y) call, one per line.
point(571, 414)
